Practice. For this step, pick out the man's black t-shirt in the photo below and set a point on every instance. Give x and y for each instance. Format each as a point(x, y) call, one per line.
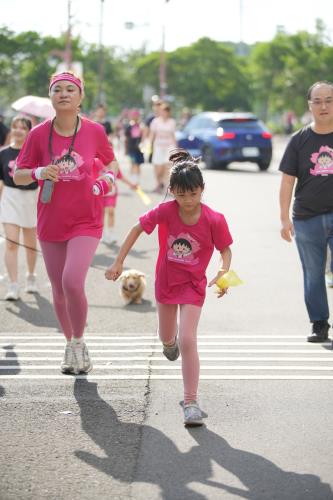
point(309, 157)
point(3, 133)
point(7, 165)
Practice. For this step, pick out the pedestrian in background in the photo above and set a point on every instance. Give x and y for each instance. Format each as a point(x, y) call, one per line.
point(133, 140)
point(110, 202)
point(100, 117)
point(188, 233)
point(156, 104)
point(18, 211)
point(4, 133)
point(163, 139)
point(308, 161)
point(69, 214)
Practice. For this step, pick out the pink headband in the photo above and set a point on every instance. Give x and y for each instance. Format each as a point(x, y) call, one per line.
point(69, 77)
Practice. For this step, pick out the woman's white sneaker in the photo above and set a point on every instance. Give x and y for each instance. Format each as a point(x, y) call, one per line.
point(67, 364)
point(82, 361)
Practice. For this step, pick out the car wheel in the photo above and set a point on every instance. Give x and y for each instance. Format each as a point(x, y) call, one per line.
point(223, 165)
point(263, 165)
point(209, 158)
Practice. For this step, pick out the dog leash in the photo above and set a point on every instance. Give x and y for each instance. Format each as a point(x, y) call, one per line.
point(39, 252)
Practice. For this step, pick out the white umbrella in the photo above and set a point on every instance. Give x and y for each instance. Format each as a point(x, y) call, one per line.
point(34, 105)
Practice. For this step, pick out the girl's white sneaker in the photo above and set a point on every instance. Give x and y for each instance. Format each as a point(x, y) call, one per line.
point(192, 415)
point(13, 291)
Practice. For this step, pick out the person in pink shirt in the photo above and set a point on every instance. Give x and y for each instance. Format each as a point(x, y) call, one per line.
point(59, 154)
point(110, 202)
point(188, 232)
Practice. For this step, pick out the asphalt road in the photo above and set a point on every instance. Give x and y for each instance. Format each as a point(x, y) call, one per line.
point(118, 433)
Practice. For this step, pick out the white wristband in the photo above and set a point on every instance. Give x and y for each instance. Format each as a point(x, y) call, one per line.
point(110, 175)
point(38, 173)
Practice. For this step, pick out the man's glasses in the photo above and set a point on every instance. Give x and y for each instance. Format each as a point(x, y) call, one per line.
point(320, 102)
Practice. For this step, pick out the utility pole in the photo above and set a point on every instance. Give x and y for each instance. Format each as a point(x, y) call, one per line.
point(162, 72)
point(240, 44)
point(101, 96)
point(68, 49)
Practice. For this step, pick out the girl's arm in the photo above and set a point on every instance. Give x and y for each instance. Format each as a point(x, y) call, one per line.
point(113, 272)
point(224, 268)
point(286, 191)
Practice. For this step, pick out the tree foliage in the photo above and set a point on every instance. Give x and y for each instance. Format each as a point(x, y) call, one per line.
point(267, 78)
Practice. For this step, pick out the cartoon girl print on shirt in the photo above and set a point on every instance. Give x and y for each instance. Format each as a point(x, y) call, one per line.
point(323, 161)
point(70, 166)
point(182, 249)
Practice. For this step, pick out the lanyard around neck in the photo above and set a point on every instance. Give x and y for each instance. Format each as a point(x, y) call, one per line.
point(70, 149)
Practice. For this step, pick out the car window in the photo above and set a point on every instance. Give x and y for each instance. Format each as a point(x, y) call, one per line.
point(247, 123)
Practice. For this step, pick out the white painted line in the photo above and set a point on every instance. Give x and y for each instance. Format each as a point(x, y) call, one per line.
point(129, 344)
point(311, 349)
point(156, 358)
point(146, 337)
point(174, 367)
point(165, 377)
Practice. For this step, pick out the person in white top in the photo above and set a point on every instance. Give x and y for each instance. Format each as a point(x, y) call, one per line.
point(163, 140)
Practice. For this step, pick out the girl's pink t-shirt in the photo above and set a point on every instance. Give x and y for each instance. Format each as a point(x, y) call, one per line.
point(184, 251)
point(74, 210)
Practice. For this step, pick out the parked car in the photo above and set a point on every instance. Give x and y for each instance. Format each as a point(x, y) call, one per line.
point(221, 138)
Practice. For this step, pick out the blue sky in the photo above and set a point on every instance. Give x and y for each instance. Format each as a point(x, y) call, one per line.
point(184, 20)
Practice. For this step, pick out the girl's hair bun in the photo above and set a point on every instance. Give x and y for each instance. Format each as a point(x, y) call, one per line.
point(179, 155)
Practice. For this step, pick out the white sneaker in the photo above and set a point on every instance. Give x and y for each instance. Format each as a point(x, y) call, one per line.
point(192, 415)
point(31, 284)
point(82, 361)
point(67, 364)
point(12, 292)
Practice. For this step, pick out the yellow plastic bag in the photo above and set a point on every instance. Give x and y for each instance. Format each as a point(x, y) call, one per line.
point(229, 279)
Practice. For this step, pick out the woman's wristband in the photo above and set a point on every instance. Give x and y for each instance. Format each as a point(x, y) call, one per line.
point(110, 175)
point(36, 173)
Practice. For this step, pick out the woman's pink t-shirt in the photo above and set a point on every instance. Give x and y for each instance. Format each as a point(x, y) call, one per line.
point(184, 251)
point(74, 210)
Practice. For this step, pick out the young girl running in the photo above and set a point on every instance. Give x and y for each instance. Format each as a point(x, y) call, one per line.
point(188, 231)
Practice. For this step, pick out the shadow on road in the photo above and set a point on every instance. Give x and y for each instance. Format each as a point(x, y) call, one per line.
point(10, 359)
point(172, 470)
point(42, 316)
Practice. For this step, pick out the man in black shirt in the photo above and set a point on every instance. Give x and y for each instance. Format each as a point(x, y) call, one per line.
point(4, 132)
point(309, 160)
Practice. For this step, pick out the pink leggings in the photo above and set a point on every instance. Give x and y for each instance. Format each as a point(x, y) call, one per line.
point(67, 264)
point(189, 316)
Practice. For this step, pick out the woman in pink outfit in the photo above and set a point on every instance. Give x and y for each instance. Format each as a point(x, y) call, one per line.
point(188, 233)
point(59, 154)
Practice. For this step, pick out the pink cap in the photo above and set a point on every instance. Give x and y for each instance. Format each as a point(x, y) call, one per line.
point(66, 76)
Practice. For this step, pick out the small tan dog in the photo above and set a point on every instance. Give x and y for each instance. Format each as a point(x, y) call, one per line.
point(133, 284)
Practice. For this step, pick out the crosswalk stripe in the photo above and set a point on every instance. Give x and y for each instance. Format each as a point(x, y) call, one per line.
point(139, 357)
point(158, 351)
point(166, 377)
point(148, 337)
point(156, 358)
point(174, 367)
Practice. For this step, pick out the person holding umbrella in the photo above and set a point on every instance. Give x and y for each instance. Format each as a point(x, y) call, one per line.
point(59, 153)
